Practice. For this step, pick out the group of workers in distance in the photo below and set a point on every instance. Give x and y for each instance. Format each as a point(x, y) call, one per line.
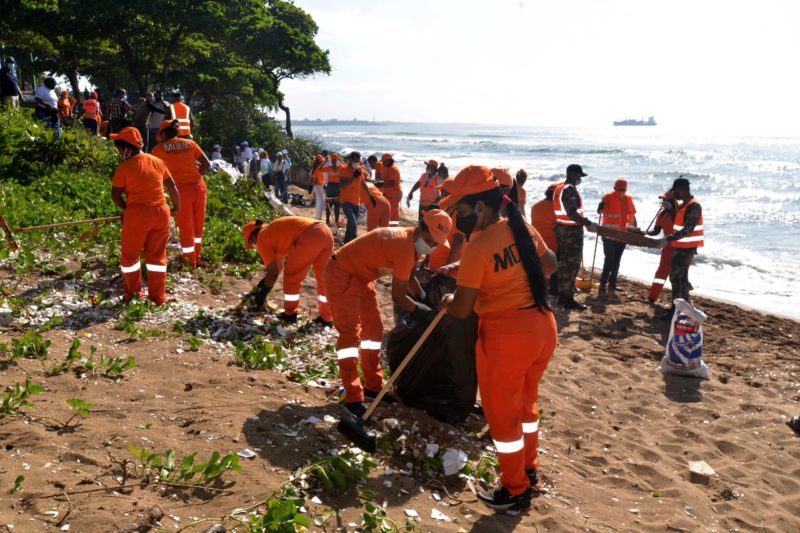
point(473, 229)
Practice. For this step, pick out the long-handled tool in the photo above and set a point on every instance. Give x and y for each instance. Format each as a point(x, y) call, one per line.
point(9, 233)
point(594, 258)
point(352, 427)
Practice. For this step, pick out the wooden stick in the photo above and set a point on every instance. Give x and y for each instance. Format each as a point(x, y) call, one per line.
point(8, 234)
point(399, 370)
point(62, 224)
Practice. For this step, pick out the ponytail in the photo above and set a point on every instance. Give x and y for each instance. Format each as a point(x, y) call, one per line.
point(495, 200)
point(514, 193)
point(315, 166)
point(527, 252)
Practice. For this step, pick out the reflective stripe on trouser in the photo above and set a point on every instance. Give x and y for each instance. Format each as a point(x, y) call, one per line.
point(191, 220)
point(661, 273)
point(378, 216)
point(313, 247)
point(394, 203)
point(356, 316)
point(145, 229)
point(512, 352)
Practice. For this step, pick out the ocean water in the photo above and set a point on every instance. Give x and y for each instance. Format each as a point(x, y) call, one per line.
point(749, 188)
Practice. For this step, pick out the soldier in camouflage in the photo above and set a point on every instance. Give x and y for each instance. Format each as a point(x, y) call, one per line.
point(570, 238)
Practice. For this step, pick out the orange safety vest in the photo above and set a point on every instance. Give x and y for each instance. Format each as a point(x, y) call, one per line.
point(695, 238)
point(90, 108)
point(428, 189)
point(561, 215)
point(181, 112)
point(616, 214)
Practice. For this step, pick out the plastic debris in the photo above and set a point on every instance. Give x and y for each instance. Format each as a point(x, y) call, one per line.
point(431, 449)
point(453, 461)
point(411, 513)
point(247, 453)
point(436, 514)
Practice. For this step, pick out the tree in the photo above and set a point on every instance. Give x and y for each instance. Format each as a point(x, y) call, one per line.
point(286, 48)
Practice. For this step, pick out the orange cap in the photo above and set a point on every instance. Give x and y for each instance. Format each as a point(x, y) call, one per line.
point(669, 195)
point(447, 185)
point(432, 163)
point(503, 177)
point(470, 180)
point(247, 231)
point(621, 185)
point(166, 124)
point(386, 156)
point(439, 224)
point(130, 135)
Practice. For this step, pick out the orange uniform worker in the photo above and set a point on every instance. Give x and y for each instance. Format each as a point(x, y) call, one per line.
point(351, 276)
point(352, 179)
point(388, 176)
point(304, 242)
point(332, 189)
point(502, 277)
point(504, 179)
point(138, 189)
point(186, 162)
point(543, 218)
point(665, 220)
point(617, 212)
point(378, 212)
point(428, 186)
point(183, 114)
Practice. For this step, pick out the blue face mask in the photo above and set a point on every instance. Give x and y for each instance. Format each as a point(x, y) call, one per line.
point(422, 247)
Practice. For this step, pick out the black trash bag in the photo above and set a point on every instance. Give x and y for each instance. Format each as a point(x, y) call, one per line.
point(441, 378)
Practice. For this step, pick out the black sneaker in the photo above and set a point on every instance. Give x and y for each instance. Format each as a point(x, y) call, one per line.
point(322, 322)
point(387, 398)
point(794, 424)
point(602, 289)
point(289, 319)
point(571, 303)
point(533, 477)
point(357, 408)
point(501, 500)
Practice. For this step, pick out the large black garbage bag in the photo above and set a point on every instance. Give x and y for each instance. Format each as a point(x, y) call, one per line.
point(441, 378)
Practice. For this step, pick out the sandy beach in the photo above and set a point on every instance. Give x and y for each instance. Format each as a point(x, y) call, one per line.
point(616, 435)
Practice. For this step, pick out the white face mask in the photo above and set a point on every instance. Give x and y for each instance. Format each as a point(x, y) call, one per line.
point(422, 247)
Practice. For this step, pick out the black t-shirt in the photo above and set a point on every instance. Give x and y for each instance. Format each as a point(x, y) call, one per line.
point(9, 85)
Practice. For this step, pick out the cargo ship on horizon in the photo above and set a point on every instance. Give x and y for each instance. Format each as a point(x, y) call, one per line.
point(633, 122)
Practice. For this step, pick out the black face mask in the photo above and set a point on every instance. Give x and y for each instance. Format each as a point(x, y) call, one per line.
point(466, 225)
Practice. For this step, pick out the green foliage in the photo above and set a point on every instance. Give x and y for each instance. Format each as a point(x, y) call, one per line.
point(282, 514)
point(194, 343)
point(17, 485)
point(258, 354)
point(373, 516)
point(73, 356)
point(167, 468)
point(340, 471)
point(17, 398)
point(30, 346)
point(79, 408)
point(29, 150)
point(487, 469)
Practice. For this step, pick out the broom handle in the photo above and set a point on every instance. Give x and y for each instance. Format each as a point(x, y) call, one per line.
point(61, 224)
point(406, 360)
point(594, 258)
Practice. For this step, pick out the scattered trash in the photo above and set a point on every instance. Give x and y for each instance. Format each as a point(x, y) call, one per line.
point(411, 513)
point(634, 511)
point(684, 353)
point(431, 449)
point(453, 461)
point(390, 424)
point(700, 472)
point(329, 418)
point(316, 500)
point(247, 453)
point(436, 514)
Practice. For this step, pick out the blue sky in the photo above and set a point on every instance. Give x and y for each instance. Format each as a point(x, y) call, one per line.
point(730, 64)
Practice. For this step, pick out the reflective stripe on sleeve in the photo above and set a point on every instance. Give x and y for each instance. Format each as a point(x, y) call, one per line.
point(509, 447)
point(347, 353)
point(291, 297)
point(198, 240)
point(156, 268)
point(188, 250)
point(394, 222)
point(691, 239)
point(530, 427)
point(133, 268)
point(659, 281)
point(370, 345)
point(322, 298)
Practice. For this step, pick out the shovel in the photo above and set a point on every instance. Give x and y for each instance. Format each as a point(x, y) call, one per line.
point(353, 427)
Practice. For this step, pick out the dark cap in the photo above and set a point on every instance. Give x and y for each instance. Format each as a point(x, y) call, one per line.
point(680, 183)
point(576, 169)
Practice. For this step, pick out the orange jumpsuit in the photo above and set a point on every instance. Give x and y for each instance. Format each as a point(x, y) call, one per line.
point(393, 193)
point(181, 156)
point(304, 242)
point(665, 222)
point(543, 219)
point(515, 344)
point(377, 215)
point(351, 276)
point(439, 257)
point(145, 225)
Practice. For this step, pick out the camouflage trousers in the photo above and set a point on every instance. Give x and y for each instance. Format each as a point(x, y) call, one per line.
point(679, 272)
point(570, 253)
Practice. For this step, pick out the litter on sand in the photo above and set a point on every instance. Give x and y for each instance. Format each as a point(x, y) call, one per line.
point(436, 514)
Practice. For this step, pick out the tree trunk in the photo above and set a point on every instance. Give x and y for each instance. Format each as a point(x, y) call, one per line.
point(285, 109)
point(73, 80)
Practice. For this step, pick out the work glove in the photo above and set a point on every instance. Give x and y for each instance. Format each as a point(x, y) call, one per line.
point(423, 313)
point(592, 227)
point(260, 294)
point(662, 242)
